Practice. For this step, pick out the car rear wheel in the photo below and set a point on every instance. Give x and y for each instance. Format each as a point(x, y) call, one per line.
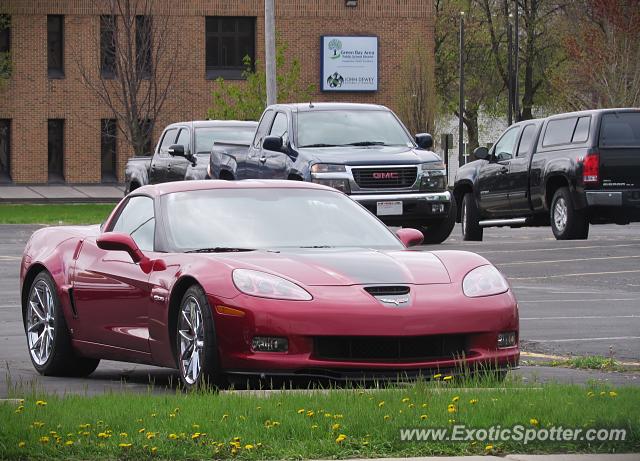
point(567, 223)
point(440, 231)
point(469, 219)
point(48, 337)
point(197, 350)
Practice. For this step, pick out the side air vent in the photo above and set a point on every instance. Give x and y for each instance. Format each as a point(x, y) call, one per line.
point(392, 290)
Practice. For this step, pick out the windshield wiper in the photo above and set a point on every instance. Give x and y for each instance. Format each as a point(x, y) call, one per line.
point(219, 250)
point(367, 143)
point(320, 145)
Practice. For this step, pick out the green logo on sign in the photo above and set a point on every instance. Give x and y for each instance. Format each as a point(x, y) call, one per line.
point(335, 45)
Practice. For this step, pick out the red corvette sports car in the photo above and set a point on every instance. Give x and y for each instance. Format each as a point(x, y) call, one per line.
point(261, 278)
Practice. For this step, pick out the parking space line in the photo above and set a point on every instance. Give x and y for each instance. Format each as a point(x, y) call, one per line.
point(572, 275)
point(538, 355)
point(584, 317)
point(558, 248)
point(565, 260)
point(575, 300)
point(568, 340)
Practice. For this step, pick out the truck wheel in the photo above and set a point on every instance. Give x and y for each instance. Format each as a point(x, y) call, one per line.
point(440, 231)
point(471, 230)
point(567, 223)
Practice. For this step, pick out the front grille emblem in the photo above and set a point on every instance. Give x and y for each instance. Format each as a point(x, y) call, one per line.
point(396, 301)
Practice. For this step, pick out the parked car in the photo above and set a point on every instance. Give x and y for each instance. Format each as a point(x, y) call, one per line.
point(259, 278)
point(362, 150)
point(567, 171)
point(182, 152)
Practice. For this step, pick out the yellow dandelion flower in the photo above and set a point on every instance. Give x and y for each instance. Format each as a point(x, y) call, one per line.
point(44, 439)
point(590, 394)
point(41, 403)
point(103, 435)
point(411, 405)
point(335, 427)
point(341, 438)
point(249, 447)
point(38, 424)
point(473, 401)
point(154, 450)
point(176, 410)
point(437, 376)
point(86, 433)
point(455, 399)
point(603, 393)
point(151, 435)
point(338, 416)
point(406, 400)
point(423, 417)
point(451, 408)
point(22, 444)
point(236, 439)
point(381, 404)
point(534, 422)
point(424, 405)
point(447, 378)
point(327, 415)
point(452, 421)
point(387, 417)
point(84, 426)
point(314, 426)
point(300, 411)
point(234, 451)
point(141, 430)
point(613, 394)
point(225, 416)
point(310, 413)
point(488, 447)
point(124, 435)
point(125, 445)
point(20, 409)
point(172, 415)
point(195, 436)
point(68, 443)
point(153, 415)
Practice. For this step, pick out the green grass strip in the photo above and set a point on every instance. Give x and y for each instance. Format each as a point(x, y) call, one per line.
point(82, 213)
point(308, 425)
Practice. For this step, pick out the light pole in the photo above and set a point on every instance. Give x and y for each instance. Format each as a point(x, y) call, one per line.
point(270, 51)
point(516, 45)
point(461, 95)
point(510, 70)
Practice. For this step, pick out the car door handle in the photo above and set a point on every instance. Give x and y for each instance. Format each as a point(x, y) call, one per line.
point(263, 159)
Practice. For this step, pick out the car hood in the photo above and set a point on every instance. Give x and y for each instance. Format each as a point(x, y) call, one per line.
point(341, 267)
point(382, 155)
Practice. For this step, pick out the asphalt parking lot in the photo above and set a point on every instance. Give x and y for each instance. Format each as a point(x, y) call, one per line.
point(575, 297)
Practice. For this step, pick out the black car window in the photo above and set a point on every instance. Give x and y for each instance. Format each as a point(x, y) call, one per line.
point(168, 139)
point(581, 133)
point(620, 129)
point(138, 220)
point(505, 146)
point(184, 139)
point(263, 128)
point(559, 131)
point(526, 141)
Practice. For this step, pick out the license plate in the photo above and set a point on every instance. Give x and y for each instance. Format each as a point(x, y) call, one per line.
point(389, 208)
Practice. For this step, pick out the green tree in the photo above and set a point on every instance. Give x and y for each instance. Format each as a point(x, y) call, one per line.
point(5, 57)
point(231, 101)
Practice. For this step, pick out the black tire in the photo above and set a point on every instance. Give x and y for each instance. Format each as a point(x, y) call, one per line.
point(567, 223)
point(440, 231)
point(470, 219)
point(62, 359)
point(209, 373)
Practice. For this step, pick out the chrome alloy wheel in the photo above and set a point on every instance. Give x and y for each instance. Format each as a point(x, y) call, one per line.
point(40, 322)
point(463, 219)
point(560, 214)
point(191, 339)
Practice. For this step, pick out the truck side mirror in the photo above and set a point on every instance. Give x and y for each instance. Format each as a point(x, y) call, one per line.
point(424, 140)
point(481, 153)
point(273, 143)
point(176, 150)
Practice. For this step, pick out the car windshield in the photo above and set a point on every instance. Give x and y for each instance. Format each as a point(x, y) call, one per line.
point(241, 219)
point(205, 137)
point(327, 128)
point(620, 129)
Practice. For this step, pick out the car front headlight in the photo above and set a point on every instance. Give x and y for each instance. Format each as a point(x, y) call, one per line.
point(434, 177)
point(484, 281)
point(263, 285)
point(327, 168)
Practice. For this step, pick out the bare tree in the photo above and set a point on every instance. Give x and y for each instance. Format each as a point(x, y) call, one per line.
point(135, 67)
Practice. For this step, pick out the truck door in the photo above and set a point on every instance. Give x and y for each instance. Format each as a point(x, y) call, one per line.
point(249, 165)
point(177, 169)
point(273, 164)
point(161, 161)
point(518, 176)
point(493, 184)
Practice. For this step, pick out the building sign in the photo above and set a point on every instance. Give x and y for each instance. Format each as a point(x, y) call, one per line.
point(349, 63)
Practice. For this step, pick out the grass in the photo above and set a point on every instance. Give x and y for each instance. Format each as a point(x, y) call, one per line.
point(309, 424)
point(590, 362)
point(54, 213)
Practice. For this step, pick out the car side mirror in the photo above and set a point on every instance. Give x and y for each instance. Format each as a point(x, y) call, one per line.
point(273, 143)
point(481, 153)
point(117, 241)
point(176, 150)
point(424, 140)
point(410, 237)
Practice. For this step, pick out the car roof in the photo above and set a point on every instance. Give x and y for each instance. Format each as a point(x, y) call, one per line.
point(319, 106)
point(215, 123)
point(156, 190)
point(593, 112)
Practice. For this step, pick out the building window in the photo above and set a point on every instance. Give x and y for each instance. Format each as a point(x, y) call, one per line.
point(108, 46)
point(146, 127)
point(228, 41)
point(144, 46)
point(5, 150)
point(108, 150)
point(55, 147)
point(5, 33)
point(55, 46)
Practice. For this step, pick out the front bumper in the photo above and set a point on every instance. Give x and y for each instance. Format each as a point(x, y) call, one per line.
point(445, 312)
point(417, 208)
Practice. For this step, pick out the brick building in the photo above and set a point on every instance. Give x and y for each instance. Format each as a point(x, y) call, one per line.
point(52, 126)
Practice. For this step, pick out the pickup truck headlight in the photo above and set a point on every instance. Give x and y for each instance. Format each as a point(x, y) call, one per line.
point(263, 285)
point(327, 168)
point(484, 281)
point(341, 184)
point(434, 177)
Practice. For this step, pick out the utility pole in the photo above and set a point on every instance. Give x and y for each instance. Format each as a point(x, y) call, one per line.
point(270, 51)
point(516, 45)
point(461, 95)
point(510, 71)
